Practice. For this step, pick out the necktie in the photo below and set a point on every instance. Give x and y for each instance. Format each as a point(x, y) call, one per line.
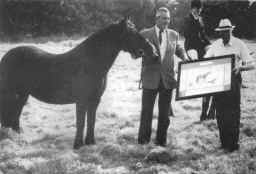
point(160, 36)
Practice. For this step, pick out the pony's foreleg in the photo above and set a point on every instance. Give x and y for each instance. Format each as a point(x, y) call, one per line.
point(91, 116)
point(80, 121)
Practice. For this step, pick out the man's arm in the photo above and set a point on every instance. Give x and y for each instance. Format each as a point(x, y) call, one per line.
point(210, 51)
point(246, 66)
point(180, 52)
point(149, 60)
point(247, 60)
point(189, 34)
point(204, 37)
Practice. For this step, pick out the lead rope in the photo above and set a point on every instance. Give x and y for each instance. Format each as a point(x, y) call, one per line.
point(140, 81)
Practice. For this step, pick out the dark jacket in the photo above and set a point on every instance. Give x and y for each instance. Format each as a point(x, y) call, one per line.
point(195, 37)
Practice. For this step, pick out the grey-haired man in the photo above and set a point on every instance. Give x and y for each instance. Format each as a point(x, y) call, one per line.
point(158, 77)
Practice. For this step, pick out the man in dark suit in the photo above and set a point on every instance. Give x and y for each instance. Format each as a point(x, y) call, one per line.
point(195, 45)
point(195, 37)
point(158, 77)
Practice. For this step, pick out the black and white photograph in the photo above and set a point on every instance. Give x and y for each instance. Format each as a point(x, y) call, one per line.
point(127, 87)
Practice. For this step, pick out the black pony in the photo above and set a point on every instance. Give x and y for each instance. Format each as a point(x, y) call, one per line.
point(78, 76)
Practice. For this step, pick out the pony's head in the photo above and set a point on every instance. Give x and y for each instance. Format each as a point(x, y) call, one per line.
point(134, 43)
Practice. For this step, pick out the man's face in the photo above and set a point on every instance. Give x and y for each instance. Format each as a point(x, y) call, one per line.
point(225, 35)
point(196, 11)
point(163, 20)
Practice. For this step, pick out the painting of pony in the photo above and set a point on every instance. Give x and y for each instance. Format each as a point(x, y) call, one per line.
point(78, 76)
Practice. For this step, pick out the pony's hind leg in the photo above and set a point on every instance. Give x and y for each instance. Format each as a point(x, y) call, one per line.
point(7, 109)
point(11, 107)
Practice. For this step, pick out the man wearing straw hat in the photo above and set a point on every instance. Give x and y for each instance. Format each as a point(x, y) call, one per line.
point(228, 103)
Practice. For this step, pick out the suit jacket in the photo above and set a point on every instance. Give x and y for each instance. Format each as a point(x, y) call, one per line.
point(154, 70)
point(195, 37)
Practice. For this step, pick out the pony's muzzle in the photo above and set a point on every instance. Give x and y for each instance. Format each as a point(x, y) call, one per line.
point(156, 56)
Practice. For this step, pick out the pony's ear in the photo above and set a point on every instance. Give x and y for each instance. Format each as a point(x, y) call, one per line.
point(127, 22)
point(128, 18)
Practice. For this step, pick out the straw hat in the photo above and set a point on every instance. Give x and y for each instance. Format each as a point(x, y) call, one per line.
point(224, 24)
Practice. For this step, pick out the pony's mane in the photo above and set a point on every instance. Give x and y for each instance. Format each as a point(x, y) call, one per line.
point(105, 32)
point(108, 34)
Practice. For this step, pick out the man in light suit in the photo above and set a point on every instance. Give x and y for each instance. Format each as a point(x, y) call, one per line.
point(158, 77)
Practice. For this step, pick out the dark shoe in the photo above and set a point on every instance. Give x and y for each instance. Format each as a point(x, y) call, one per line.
point(170, 113)
point(233, 148)
point(143, 137)
point(210, 116)
point(203, 117)
point(143, 141)
point(222, 147)
point(244, 86)
point(160, 143)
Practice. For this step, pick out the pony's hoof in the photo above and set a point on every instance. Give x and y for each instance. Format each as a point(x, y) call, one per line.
point(78, 144)
point(19, 130)
point(90, 141)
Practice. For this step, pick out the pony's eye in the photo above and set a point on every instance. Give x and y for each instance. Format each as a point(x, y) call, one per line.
point(141, 52)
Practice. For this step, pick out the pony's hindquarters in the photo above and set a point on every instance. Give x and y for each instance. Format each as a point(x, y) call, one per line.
point(12, 99)
point(7, 104)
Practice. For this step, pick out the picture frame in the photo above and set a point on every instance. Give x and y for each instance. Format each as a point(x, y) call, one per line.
point(205, 77)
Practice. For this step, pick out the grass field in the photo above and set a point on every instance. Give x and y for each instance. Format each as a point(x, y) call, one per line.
point(45, 146)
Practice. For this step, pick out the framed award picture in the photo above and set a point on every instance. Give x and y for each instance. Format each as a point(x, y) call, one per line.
point(204, 77)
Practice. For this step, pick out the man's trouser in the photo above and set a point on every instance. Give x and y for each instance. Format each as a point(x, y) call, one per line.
point(228, 115)
point(148, 101)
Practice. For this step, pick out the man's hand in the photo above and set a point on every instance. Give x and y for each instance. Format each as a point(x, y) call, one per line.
point(186, 58)
point(207, 48)
point(192, 54)
point(237, 70)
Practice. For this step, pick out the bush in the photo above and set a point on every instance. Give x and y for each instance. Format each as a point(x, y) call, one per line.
point(43, 18)
point(68, 17)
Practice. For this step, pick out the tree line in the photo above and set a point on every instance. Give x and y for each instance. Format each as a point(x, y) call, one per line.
point(35, 18)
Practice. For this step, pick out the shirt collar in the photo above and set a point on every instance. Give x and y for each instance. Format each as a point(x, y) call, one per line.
point(158, 29)
point(230, 43)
